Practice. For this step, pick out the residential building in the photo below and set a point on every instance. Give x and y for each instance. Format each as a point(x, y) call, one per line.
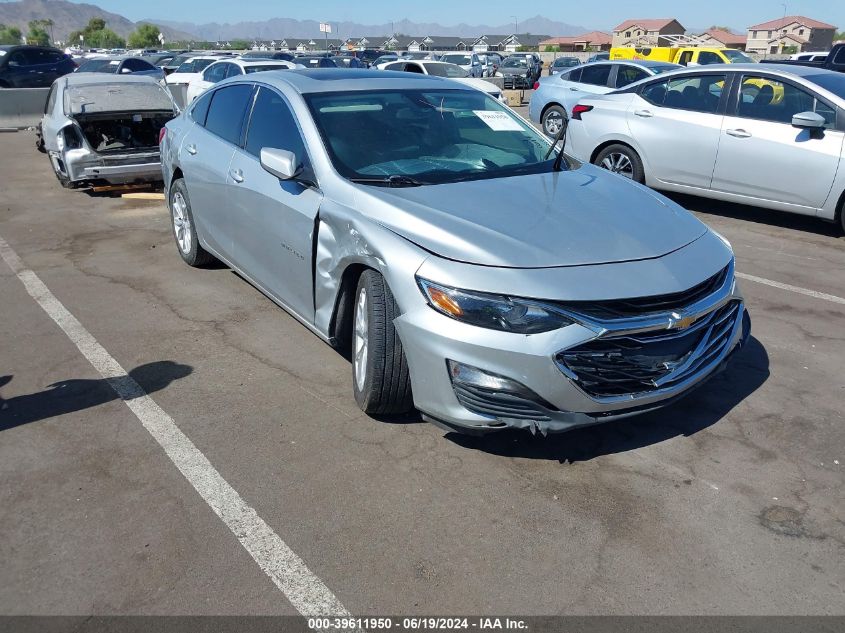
point(592, 41)
point(723, 39)
point(794, 32)
point(507, 43)
point(646, 32)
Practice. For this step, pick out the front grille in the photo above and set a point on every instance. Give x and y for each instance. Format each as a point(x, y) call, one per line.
point(498, 404)
point(622, 308)
point(637, 364)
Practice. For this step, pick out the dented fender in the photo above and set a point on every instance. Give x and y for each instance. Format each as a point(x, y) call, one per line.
point(347, 238)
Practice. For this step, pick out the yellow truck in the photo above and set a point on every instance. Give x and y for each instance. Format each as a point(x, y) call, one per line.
point(684, 55)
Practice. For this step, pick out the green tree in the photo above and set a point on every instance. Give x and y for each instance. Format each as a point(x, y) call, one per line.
point(10, 34)
point(552, 49)
point(37, 34)
point(96, 35)
point(145, 36)
point(240, 45)
point(840, 36)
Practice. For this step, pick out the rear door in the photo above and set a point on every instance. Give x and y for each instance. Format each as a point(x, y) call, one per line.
point(595, 79)
point(763, 156)
point(677, 123)
point(272, 221)
point(205, 155)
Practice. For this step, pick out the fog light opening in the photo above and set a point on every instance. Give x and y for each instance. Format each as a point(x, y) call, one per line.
point(466, 376)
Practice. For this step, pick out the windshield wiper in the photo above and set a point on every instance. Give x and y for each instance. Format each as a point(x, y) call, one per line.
point(394, 180)
point(560, 136)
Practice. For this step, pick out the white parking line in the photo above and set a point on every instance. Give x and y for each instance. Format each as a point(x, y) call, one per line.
point(301, 587)
point(798, 289)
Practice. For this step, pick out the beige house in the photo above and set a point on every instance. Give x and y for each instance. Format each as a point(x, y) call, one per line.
point(593, 41)
point(805, 34)
point(719, 38)
point(646, 32)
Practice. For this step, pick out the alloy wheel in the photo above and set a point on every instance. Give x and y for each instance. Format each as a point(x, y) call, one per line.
point(619, 163)
point(553, 122)
point(361, 339)
point(181, 223)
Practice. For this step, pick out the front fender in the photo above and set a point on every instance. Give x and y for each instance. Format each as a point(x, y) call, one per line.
point(346, 238)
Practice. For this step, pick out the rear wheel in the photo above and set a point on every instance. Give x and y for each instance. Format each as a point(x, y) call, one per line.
point(184, 231)
point(552, 120)
point(380, 378)
point(842, 215)
point(622, 160)
point(39, 139)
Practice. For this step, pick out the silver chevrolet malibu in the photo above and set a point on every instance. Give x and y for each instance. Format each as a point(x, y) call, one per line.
point(471, 271)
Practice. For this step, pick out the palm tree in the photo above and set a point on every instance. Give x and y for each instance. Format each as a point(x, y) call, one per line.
point(49, 24)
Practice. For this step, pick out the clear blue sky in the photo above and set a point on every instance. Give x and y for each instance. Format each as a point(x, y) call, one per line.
point(601, 14)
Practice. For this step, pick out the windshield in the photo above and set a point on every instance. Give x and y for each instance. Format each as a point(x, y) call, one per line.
point(446, 70)
point(259, 69)
point(515, 62)
point(566, 61)
point(832, 82)
point(99, 66)
point(425, 136)
point(195, 66)
point(735, 56)
point(663, 68)
point(461, 60)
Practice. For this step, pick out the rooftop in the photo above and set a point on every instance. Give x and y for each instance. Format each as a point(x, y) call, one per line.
point(791, 19)
point(650, 24)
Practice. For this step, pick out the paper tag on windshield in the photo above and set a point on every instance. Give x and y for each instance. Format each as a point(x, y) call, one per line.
point(498, 121)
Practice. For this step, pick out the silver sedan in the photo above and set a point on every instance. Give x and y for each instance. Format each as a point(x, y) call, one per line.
point(765, 135)
point(470, 272)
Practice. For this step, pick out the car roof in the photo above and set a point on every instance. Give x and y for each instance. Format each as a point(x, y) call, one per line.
point(79, 79)
point(782, 69)
point(347, 80)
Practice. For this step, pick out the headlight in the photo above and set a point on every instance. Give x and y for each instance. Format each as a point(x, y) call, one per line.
point(494, 312)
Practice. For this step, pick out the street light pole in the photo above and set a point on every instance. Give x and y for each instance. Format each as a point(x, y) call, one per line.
point(515, 24)
point(782, 25)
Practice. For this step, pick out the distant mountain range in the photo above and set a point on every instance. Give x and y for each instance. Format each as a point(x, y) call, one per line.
point(276, 28)
point(70, 16)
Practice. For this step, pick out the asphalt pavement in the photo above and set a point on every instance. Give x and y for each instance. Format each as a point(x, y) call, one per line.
point(729, 502)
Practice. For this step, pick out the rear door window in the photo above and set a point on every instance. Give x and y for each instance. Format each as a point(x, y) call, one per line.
point(574, 75)
point(697, 93)
point(595, 74)
point(226, 113)
point(200, 109)
point(628, 75)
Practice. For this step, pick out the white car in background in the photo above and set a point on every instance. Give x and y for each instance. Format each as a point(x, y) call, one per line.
point(225, 68)
point(191, 69)
point(449, 71)
point(470, 62)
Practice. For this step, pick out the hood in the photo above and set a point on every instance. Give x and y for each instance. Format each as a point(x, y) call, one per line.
point(571, 218)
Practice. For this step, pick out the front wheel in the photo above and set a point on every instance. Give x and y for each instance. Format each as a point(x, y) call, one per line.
point(380, 378)
point(552, 120)
point(622, 160)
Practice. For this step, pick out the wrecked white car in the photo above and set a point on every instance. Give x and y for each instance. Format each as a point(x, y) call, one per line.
point(102, 129)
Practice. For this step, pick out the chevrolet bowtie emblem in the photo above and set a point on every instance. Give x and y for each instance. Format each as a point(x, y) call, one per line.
point(679, 322)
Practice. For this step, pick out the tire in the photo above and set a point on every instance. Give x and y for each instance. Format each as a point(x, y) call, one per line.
point(65, 181)
point(184, 231)
point(842, 216)
point(622, 160)
point(552, 119)
point(380, 378)
point(39, 139)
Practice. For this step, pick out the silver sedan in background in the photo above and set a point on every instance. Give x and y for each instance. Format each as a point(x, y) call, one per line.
point(556, 95)
point(470, 271)
point(765, 135)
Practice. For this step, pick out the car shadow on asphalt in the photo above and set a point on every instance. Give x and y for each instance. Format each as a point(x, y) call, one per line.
point(703, 408)
point(757, 215)
point(70, 396)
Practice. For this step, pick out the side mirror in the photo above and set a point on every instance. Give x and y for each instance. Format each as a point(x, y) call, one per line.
point(808, 121)
point(279, 162)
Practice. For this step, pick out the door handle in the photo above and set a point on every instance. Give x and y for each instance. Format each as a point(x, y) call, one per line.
point(191, 149)
point(646, 114)
point(738, 133)
point(574, 89)
point(237, 175)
